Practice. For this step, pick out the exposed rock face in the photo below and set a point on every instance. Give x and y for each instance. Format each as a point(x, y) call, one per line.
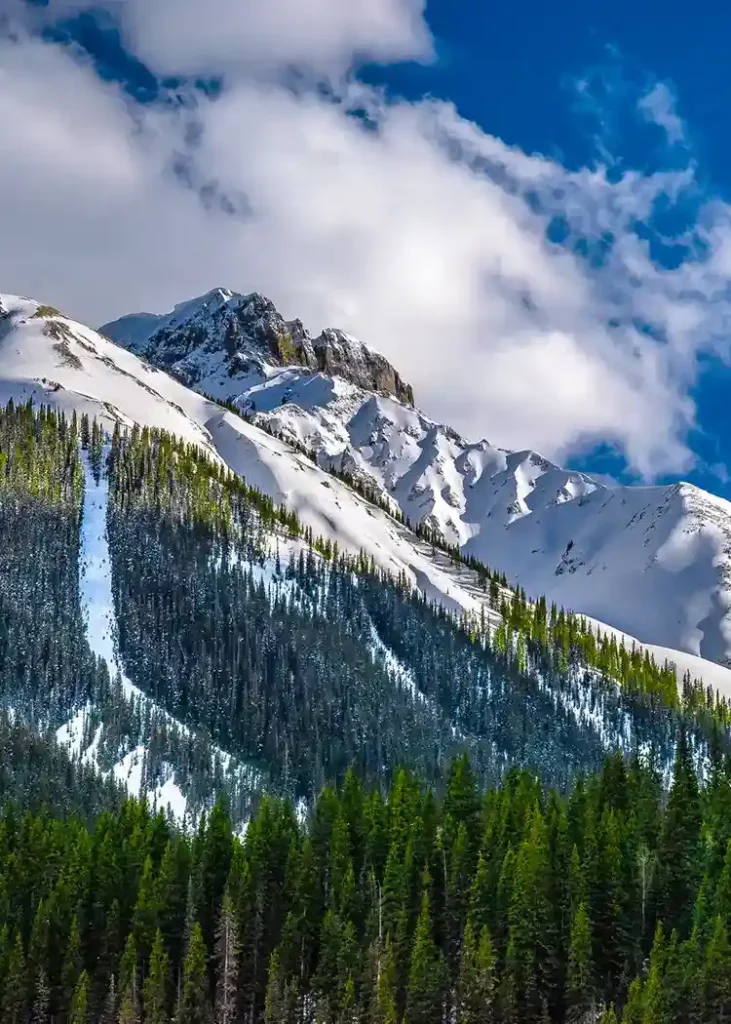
point(340, 356)
point(248, 331)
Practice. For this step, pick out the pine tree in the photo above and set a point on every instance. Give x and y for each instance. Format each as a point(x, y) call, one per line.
point(41, 1012)
point(194, 1007)
point(678, 855)
point(476, 987)
point(155, 991)
point(634, 1009)
point(425, 991)
point(227, 962)
point(717, 976)
point(581, 999)
point(80, 1001)
point(15, 995)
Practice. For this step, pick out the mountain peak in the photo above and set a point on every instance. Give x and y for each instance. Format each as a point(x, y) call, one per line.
point(237, 336)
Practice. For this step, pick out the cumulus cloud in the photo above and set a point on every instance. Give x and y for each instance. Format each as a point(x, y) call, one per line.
point(519, 297)
point(191, 37)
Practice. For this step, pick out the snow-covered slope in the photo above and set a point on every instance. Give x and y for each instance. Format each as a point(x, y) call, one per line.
point(654, 562)
point(86, 739)
point(51, 359)
point(516, 511)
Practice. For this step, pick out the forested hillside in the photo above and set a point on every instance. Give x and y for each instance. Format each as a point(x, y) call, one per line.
point(186, 637)
point(520, 906)
point(38, 774)
point(307, 661)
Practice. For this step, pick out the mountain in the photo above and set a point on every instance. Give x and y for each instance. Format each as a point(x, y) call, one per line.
point(170, 624)
point(181, 634)
point(653, 562)
point(212, 612)
point(245, 335)
point(50, 358)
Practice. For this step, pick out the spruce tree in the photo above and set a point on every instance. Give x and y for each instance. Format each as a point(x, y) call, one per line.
point(580, 995)
point(155, 990)
point(15, 994)
point(41, 1011)
point(227, 962)
point(130, 1011)
point(194, 1006)
point(425, 990)
point(386, 1002)
point(717, 976)
point(678, 855)
point(477, 983)
point(634, 1009)
point(80, 1001)
point(109, 1010)
point(72, 964)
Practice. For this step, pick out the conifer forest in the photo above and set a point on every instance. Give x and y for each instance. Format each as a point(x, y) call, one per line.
point(387, 812)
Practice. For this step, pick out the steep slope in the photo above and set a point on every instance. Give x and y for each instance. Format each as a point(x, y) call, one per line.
point(654, 562)
point(50, 359)
point(46, 357)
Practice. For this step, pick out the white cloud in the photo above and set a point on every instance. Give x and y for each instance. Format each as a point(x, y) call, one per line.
point(419, 233)
point(189, 37)
point(659, 105)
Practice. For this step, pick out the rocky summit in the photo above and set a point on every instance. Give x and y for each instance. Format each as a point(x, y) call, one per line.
point(252, 337)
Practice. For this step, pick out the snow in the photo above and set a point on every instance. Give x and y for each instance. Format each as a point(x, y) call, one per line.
point(97, 603)
point(95, 583)
point(654, 562)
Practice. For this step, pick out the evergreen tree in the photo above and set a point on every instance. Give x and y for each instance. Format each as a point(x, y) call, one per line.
point(227, 962)
point(15, 994)
point(155, 990)
point(80, 1001)
point(634, 1010)
point(581, 1001)
point(130, 1011)
point(41, 1012)
point(72, 964)
point(109, 1011)
point(678, 854)
point(194, 1006)
point(384, 1004)
point(425, 992)
point(476, 989)
point(717, 975)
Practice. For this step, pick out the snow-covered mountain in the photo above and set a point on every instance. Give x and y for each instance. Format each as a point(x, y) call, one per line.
point(654, 562)
point(51, 359)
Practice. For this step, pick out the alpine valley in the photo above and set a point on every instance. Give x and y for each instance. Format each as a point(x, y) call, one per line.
point(318, 713)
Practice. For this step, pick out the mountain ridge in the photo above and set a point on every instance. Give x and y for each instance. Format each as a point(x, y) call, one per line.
point(662, 553)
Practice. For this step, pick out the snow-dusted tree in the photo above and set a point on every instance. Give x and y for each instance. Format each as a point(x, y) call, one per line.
point(227, 962)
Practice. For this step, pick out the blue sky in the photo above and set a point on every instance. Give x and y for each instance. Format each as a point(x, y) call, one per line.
point(513, 68)
point(526, 208)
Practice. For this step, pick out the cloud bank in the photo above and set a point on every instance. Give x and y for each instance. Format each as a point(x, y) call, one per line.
point(533, 304)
